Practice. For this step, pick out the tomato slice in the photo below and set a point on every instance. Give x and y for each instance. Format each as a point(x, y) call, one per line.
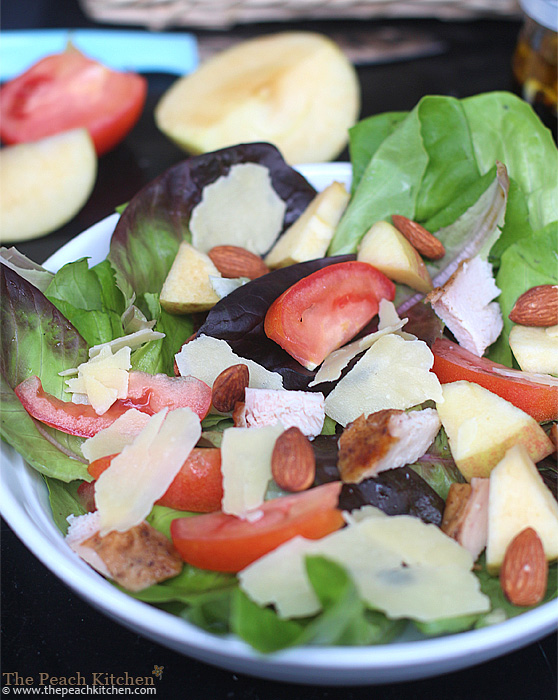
point(222, 542)
point(147, 393)
point(69, 90)
point(524, 390)
point(198, 486)
point(323, 311)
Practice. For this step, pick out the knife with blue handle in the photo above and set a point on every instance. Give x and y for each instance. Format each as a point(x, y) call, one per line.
point(127, 50)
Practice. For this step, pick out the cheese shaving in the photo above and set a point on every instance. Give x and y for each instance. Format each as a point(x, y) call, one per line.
point(144, 470)
point(113, 440)
point(246, 467)
point(102, 379)
point(411, 570)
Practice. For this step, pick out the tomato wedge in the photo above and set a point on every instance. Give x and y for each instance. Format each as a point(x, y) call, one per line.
point(323, 311)
point(69, 90)
point(198, 486)
point(146, 392)
point(526, 391)
point(222, 542)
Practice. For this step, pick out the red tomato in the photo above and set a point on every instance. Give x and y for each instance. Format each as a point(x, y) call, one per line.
point(198, 486)
point(68, 90)
point(222, 542)
point(323, 311)
point(524, 390)
point(147, 393)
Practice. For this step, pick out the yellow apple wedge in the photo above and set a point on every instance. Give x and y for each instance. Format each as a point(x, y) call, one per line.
point(482, 427)
point(43, 184)
point(296, 90)
point(309, 237)
point(518, 499)
point(384, 247)
point(187, 288)
point(535, 348)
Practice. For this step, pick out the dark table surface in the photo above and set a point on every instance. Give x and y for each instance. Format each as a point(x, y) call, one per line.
point(45, 626)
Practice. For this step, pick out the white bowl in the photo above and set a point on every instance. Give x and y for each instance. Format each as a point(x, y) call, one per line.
point(24, 504)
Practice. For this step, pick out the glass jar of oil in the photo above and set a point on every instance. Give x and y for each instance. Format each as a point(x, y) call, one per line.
point(536, 57)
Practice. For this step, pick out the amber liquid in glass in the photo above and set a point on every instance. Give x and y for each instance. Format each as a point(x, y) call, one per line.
point(535, 70)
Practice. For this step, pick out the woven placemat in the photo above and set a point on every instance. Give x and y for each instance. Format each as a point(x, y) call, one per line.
point(220, 14)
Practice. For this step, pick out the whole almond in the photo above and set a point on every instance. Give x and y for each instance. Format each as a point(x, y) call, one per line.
point(524, 571)
point(234, 261)
point(229, 387)
point(537, 306)
point(293, 464)
point(421, 239)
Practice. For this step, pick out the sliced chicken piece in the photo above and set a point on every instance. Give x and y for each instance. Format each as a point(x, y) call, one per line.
point(303, 409)
point(383, 440)
point(466, 515)
point(464, 303)
point(135, 559)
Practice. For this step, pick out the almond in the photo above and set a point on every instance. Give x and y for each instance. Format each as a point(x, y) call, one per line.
point(229, 387)
point(553, 435)
point(524, 571)
point(421, 239)
point(234, 261)
point(293, 464)
point(537, 306)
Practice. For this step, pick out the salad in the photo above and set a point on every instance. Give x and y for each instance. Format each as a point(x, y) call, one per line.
point(475, 172)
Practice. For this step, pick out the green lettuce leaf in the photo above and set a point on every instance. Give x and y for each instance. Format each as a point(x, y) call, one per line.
point(505, 128)
point(389, 185)
point(366, 136)
point(530, 261)
point(64, 501)
point(36, 339)
point(158, 355)
point(422, 165)
point(89, 299)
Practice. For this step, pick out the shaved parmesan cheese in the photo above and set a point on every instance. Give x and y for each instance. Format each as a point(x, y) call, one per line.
point(206, 357)
point(394, 373)
point(222, 286)
point(103, 379)
point(336, 361)
point(388, 316)
point(143, 471)
point(246, 467)
point(240, 208)
point(114, 439)
point(399, 564)
point(132, 341)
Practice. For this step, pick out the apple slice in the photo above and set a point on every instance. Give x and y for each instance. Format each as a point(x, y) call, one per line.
point(187, 288)
point(481, 427)
point(389, 251)
point(296, 90)
point(44, 183)
point(518, 499)
point(535, 348)
point(309, 237)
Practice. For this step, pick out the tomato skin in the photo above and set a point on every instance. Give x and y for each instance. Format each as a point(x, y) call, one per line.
point(198, 486)
point(147, 393)
point(326, 309)
point(453, 363)
point(222, 542)
point(69, 90)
